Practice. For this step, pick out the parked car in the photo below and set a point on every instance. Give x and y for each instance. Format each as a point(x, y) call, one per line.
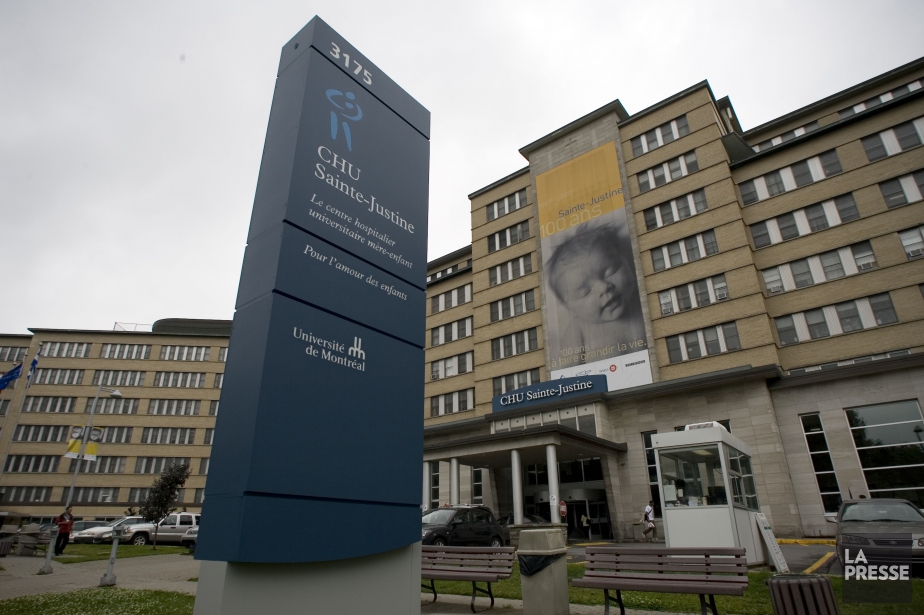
point(103, 533)
point(506, 522)
point(879, 516)
point(80, 526)
point(462, 526)
point(169, 531)
point(190, 538)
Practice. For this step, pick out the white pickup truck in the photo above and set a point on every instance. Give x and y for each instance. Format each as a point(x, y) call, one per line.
point(170, 530)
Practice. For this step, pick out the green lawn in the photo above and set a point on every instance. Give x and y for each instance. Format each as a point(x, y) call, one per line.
point(90, 553)
point(109, 600)
point(756, 600)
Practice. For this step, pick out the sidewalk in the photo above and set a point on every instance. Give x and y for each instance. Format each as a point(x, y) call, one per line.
point(160, 572)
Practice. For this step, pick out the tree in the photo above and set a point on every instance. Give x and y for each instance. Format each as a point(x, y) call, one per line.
point(161, 498)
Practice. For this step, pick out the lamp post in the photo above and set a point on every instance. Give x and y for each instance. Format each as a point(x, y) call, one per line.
point(86, 434)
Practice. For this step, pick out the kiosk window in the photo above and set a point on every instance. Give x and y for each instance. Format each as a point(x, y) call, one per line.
point(692, 477)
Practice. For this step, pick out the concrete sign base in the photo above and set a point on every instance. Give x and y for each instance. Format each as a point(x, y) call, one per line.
point(385, 584)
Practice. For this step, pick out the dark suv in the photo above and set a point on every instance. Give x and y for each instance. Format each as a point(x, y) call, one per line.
point(462, 526)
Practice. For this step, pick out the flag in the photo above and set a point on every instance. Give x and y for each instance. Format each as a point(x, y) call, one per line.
point(32, 369)
point(89, 453)
point(73, 445)
point(10, 376)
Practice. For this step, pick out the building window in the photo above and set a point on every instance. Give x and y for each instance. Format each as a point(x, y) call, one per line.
point(772, 280)
point(223, 354)
point(788, 227)
point(213, 407)
point(863, 255)
point(660, 136)
point(450, 270)
point(802, 174)
point(883, 309)
point(786, 330)
point(512, 382)
point(219, 379)
point(32, 463)
point(506, 205)
point(825, 476)
point(510, 270)
point(450, 403)
point(451, 332)
point(817, 325)
point(156, 465)
point(893, 193)
point(25, 494)
point(66, 349)
point(686, 250)
point(174, 407)
point(653, 486)
point(668, 171)
point(111, 405)
point(846, 208)
point(450, 299)
point(477, 486)
point(4, 406)
point(185, 353)
point(168, 435)
point(93, 495)
point(508, 237)
point(888, 442)
point(831, 263)
point(703, 342)
point(125, 351)
point(849, 316)
point(179, 379)
point(118, 378)
point(117, 435)
point(774, 183)
point(204, 466)
point(12, 353)
point(514, 344)
point(41, 433)
point(50, 404)
point(761, 235)
point(209, 433)
point(874, 147)
point(102, 465)
point(817, 219)
point(452, 366)
point(913, 242)
point(136, 495)
point(58, 376)
point(198, 496)
point(513, 306)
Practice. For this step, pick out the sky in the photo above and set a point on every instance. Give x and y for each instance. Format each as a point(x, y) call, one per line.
point(131, 133)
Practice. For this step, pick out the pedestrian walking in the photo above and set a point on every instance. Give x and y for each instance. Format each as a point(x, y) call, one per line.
point(648, 521)
point(65, 522)
point(585, 526)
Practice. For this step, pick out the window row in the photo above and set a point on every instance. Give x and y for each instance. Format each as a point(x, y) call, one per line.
point(25, 494)
point(508, 236)
point(177, 407)
point(168, 435)
point(811, 219)
point(789, 178)
point(449, 270)
point(913, 242)
point(903, 190)
point(450, 403)
point(32, 463)
point(110, 405)
point(678, 209)
point(660, 136)
point(185, 353)
point(846, 317)
point(12, 353)
point(703, 342)
point(65, 349)
point(875, 101)
point(786, 136)
point(156, 465)
point(854, 361)
point(506, 205)
point(513, 306)
point(451, 332)
point(693, 295)
point(125, 351)
point(102, 465)
point(174, 407)
point(685, 250)
point(512, 382)
point(49, 404)
point(450, 299)
point(118, 435)
point(179, 379)
point(452, 366)
point(667, 172)
point(42, 433)
point(817, 444)
point(893, 141)
point(511, 270)
point(119, 378)
point(58, 376)
point(514, 344)
point(823, 267)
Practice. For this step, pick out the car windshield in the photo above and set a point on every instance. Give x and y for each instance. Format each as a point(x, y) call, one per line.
point(875, 511)
point(438, 517)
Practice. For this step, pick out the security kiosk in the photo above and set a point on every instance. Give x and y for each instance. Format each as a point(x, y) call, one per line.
point(708, 495)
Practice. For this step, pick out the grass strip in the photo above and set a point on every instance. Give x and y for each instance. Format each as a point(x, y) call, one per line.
point(102, 601)
point(92, 553)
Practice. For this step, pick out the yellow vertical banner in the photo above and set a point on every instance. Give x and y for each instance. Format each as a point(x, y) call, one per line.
point(96, 435)
point(73, 445)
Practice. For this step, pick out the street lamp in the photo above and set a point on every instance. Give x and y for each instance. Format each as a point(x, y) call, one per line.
point(86, 434)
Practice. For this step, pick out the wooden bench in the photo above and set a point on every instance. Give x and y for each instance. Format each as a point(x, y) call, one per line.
point(703, 571)
point(475, 564)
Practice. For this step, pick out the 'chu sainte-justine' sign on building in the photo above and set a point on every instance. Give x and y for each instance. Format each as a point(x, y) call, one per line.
point(320, 410)
point(593, 308)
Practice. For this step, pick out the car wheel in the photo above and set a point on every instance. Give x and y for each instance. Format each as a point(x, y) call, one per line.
point(139, 540)
point(497, 541)
point(439, 542)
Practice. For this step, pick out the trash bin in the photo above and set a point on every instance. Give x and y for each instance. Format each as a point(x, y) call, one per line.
point(794, 594)
point(543, 572)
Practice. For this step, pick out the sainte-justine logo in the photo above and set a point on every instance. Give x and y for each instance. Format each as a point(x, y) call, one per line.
point(348, 109)
point(334, 351)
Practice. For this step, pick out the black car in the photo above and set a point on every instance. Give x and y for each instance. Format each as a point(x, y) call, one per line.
point(462, 526)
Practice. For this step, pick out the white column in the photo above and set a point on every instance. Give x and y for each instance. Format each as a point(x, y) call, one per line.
point(426, 484)
point(516, 471)
point(551, 461)
point(454, 481)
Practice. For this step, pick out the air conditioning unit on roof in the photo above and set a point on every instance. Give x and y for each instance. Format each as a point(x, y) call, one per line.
point(868, 265)
point(705, 425)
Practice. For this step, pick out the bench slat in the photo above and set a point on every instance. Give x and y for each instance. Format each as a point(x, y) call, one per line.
point(700, 552)
point(683, 559)
point(726, 589)
point(670, 578)
point(442, 575)
point(702, 569)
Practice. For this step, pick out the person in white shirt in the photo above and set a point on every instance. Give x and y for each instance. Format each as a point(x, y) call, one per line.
point(648, 521)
